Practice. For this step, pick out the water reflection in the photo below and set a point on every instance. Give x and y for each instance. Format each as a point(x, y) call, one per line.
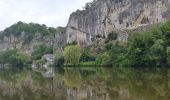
point(86, 84)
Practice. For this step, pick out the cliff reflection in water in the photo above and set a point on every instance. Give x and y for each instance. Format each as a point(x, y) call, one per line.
point(86, 84)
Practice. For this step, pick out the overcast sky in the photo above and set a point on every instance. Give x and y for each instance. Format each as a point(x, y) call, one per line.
point(50, 12)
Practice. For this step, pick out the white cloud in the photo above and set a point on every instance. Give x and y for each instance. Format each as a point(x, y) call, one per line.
point(50, 12)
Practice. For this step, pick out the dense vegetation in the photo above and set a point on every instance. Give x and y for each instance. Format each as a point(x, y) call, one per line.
point(14, 58)
point(27, 30)
point(40, 50)
point(151, 48)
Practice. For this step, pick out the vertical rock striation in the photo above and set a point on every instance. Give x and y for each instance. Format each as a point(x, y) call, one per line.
point(105, 16)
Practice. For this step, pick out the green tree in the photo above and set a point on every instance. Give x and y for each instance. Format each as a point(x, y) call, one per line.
point(14, 58)
point(59, 59)
point(147, 49)
point(168, 55)
point(117, 54)
point(157, 52)
point(72, 55)
point(87, 56)
point(40, 50)
point(104, 59)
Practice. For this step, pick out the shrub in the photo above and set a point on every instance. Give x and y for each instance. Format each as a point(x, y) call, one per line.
point(87, 56)
point(104, 59)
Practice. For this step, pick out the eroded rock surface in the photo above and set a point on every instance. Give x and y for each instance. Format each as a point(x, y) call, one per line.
point(107, 15)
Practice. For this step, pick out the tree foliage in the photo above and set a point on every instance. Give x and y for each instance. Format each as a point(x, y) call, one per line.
point(40, 50)
point(72, 55)
point(14, 58)
point(103, 59)
point(86, 56)
point(151, 48)
point(29, 29)
point(59, 59)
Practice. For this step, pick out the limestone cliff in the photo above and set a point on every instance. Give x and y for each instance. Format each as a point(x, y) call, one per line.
point(105, 16)
point(25, 36)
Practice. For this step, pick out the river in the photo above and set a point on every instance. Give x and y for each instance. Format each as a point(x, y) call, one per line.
point(86, 83)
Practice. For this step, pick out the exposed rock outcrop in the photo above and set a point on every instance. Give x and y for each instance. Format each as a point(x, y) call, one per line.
point(57, 40)
point(104, 16)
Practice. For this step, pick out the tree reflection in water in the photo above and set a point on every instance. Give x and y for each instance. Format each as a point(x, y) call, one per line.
point(86, 84)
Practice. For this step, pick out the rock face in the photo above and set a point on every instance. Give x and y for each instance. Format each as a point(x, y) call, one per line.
point(105, 16)
point(56, 41)
point(25, 36)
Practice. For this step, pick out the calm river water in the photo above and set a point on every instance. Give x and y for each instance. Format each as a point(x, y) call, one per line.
point(86, 84)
